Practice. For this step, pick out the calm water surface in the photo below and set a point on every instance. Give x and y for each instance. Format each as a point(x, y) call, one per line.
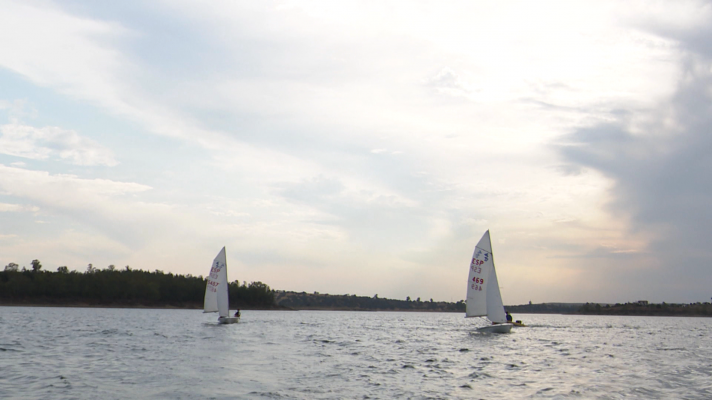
point(78, 353)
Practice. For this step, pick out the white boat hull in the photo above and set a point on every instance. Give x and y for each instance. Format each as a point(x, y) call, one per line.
point(497, 328)
point(228, 320)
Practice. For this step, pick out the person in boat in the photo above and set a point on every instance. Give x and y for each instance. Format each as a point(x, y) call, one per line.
point(509, 317)
point(237, 314)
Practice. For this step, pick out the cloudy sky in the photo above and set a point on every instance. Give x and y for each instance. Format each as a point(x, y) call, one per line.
point(364, 147)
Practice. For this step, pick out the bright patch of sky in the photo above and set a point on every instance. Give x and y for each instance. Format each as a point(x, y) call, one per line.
point(363, 147)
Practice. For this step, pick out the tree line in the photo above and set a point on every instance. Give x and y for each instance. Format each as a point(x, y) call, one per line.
point(650, 309)
point(317, 301)
point(545, 308)
point(119, 287)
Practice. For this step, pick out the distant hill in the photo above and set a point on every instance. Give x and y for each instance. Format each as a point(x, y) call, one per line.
point(136, 288)
point(352, 302)
point(346, 302)
point(546, 308)
point(650, 309)
point(317, 301)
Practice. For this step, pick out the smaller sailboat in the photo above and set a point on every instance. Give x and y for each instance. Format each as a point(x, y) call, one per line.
point(483, 296)
point(217, 291)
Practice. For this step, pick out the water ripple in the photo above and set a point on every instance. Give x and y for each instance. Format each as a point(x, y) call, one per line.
point(75, 353)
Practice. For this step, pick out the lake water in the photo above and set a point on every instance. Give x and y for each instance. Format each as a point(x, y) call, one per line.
point(84, 353)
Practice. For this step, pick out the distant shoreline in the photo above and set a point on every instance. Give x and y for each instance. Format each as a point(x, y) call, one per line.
point(172, 307)
point(283, 308)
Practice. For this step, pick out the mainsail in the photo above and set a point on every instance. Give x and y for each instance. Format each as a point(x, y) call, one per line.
point(483, 296)
point(216, 290)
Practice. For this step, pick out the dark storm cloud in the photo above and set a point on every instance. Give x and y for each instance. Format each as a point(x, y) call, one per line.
point(662, 180)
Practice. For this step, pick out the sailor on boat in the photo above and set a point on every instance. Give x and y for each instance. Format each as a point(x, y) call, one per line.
point(509, 317)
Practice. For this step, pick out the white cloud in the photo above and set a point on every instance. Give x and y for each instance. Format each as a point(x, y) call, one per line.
point(448, 82)
point(18, 108)
point(79, 58)
point(285, 119)
point(62, 189)
point(53, 142)
point(53, 48)
point(4, 207)
point(111, 211)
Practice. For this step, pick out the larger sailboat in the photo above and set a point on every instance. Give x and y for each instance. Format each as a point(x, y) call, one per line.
point(483, 296)
point(216, 291)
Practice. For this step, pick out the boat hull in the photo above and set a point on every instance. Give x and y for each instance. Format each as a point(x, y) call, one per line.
point(497, 328)
point(517, 323)
point(228, 320)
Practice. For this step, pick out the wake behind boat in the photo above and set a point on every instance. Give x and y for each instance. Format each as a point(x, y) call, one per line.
point(483, 296)
point(216, 291)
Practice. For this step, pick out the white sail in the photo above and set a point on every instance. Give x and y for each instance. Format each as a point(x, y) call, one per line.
point(495, 307)
point(216, 290)
point(483, 296)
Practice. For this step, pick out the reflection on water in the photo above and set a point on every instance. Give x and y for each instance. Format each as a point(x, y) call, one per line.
point(78, 353)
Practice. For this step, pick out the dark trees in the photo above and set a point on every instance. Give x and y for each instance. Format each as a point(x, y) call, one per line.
point(111, 287)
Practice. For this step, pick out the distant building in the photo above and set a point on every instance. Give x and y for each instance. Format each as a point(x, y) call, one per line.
point(643, 302)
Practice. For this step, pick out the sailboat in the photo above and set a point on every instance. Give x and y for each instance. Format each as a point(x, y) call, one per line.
point(216, 291)
point(483, 296)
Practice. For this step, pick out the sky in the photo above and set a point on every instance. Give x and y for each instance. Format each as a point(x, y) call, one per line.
point(364, 147)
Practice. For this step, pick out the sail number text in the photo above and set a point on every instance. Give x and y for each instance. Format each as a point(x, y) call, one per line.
point(478, 282)
point(478, 259)
point(215, 269)
point(212, 285)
